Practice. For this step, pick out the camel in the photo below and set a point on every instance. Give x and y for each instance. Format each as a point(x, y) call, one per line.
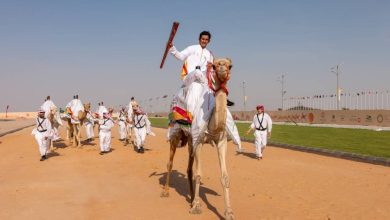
point(216, 135)
point(55, 122)
point(129, 128)
point(74, 128)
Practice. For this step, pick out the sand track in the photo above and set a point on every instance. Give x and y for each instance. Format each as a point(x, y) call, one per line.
point(78, 183)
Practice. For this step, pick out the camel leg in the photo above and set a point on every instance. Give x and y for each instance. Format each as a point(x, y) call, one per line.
point(75, 136)
point(78, 134)
point(51, 148)
point(69, 134)
point(128, 135)
point(222, 148)
point(189, 169)
point(173, 143)
point(195, 205)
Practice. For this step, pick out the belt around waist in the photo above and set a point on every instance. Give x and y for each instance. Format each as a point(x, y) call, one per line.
point(261, 129)
point(197, 67)
point(139, 127)
point(42, 130)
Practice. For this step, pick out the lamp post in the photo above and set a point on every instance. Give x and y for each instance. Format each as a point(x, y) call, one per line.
point(336, 71)
point(283, 92)
point(244, 94)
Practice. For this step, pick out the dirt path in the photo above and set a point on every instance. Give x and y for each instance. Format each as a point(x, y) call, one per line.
point(78, 183)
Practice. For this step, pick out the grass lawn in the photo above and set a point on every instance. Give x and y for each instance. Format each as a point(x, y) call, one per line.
point(360, 141)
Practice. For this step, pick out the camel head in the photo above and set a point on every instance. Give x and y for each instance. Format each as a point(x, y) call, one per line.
point(53, 110)
point(222, 68)
point(87, 107)
point(82, 114)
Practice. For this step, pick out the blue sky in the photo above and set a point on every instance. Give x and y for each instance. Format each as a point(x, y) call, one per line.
point(111, 50)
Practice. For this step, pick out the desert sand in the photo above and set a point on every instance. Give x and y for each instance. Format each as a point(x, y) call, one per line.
point(78, 183)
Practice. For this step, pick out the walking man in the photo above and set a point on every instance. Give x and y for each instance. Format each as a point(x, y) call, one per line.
point(106, 124)
point(122, 124)
point(262, 125)
point(141, 122)
point(42, 133)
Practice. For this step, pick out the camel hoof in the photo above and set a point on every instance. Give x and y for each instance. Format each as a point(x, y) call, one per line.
point(195, 209)
point(229, 215)
point(164, 194)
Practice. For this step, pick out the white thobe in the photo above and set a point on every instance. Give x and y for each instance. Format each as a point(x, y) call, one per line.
point(262, 124)
point(89, 126)
point(105, 134)
point(122, 125)
point(192, 96)
point(140, 123)
point(75, 106)
point(47, 106)
point(193, 56)
point(43, 134)
point(102, 109)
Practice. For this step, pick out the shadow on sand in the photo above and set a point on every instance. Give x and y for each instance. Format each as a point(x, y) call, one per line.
point(87, 143)
point(179, 182)
point(59, 144)
point(52, 154)
point(250, 155)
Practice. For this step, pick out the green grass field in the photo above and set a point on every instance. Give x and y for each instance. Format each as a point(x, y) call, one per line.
point(359, 141)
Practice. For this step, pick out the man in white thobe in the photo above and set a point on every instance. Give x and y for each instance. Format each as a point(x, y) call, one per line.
point(122, 124)
point(130, 122)
point(106, 124)
point(262, 125)
point(191, 96)
point(42, 133)
point(89, 123)
point(141, 122)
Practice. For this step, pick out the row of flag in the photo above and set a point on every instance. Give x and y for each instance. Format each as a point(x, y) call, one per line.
point(365, 93)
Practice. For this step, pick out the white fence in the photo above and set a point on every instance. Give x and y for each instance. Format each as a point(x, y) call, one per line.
point(366, 100)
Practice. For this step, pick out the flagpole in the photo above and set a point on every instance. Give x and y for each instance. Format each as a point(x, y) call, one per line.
point(243, 90)
point(377, 100)
point(357, 101)
point(6, 111)
point(382, 100)
point(281, 80)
